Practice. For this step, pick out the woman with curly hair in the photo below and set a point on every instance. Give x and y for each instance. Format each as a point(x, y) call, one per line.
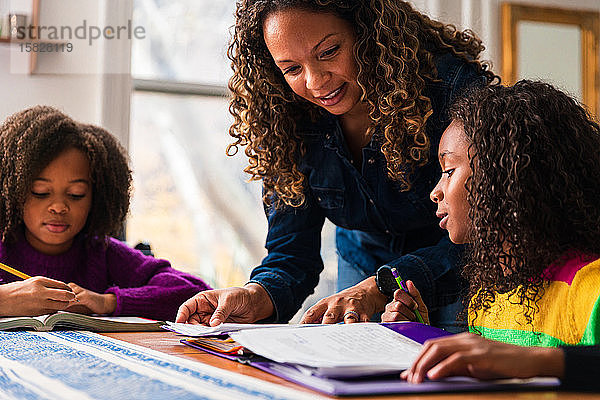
point(338, 104)
point(65, 189)
point(520, 178)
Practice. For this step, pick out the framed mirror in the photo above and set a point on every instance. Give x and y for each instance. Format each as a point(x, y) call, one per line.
point(556, 45)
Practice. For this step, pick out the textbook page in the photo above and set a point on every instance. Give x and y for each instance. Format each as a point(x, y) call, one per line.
point(333, 346)
point(67, 320)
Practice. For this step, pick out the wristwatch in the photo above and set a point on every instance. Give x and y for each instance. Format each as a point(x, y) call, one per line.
point(386, 283)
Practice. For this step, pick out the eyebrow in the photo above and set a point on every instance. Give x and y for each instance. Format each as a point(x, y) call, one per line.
point(73, 181)
point(444, 154)
point(314, 48)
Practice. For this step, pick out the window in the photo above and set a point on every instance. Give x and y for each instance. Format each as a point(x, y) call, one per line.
point(191, 202)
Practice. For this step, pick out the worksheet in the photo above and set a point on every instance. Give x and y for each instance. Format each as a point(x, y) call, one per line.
point(355, 346)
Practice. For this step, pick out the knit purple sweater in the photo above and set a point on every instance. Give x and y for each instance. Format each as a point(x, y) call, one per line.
point(145, 286)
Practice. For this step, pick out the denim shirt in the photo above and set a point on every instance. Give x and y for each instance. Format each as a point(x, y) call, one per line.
point(377, 223)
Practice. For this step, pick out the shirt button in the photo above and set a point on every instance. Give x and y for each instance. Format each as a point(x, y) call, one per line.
point(371, 160)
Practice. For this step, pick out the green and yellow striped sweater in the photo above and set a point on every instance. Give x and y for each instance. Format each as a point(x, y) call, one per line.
point(568, 314)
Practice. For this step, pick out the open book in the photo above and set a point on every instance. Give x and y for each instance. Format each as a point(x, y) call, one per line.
point(70, 321)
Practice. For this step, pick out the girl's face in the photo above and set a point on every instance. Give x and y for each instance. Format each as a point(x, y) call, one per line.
point(314, 53)
point(57, 207)
point(450, 193)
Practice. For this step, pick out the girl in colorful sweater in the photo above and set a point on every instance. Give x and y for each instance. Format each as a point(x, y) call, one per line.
point(520, 183)
point(65, 189)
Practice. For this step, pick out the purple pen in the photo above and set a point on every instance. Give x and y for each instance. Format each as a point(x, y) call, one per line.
point(401, 283)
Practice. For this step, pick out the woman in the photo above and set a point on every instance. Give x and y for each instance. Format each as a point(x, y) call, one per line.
point(339, 104)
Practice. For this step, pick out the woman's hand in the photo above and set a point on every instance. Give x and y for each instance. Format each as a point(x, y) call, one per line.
point(34, 296)
point(89, 302)
point(467, 354)
point(246, 304)
point(355, 304)
point(403, 307)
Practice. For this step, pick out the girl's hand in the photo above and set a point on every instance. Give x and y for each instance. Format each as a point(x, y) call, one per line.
point(355, 304)
point(403, 307)
point(467, 354)
point(34, 296)
point(89, 302)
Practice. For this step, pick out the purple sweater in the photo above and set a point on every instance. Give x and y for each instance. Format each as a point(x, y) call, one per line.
point(145, 286)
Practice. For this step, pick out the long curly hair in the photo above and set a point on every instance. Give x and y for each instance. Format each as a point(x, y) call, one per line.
point(533, 195)
point(31, 139)
point(394, 53)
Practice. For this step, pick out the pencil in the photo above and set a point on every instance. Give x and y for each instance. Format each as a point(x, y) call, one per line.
point(14, 271)
point(402, 286)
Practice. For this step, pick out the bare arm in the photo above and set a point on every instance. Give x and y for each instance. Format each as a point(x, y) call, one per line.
point(467, 354)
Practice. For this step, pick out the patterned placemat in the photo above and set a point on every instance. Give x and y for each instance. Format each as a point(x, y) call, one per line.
point(85, 365)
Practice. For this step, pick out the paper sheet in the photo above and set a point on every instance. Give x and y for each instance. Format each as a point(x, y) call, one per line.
point(203, 330)
point(330, 346)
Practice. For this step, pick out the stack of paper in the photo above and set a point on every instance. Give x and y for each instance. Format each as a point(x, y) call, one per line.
point(333, 350)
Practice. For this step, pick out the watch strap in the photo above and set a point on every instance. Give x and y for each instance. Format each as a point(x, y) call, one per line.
point(386, 283)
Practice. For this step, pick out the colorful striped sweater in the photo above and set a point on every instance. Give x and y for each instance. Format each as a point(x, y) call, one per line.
point(568, 314)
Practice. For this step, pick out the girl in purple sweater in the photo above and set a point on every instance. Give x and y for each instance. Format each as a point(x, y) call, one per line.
point(64, 190)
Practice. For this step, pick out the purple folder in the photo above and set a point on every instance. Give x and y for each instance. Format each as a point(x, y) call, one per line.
point(385, 384)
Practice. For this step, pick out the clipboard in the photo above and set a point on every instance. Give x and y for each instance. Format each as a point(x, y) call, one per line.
point(384, 384)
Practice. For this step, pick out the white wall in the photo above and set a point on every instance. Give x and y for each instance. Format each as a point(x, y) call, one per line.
point(77, 95)
point(73, 82)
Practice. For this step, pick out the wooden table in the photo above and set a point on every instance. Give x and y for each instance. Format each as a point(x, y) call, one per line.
point(168, 342)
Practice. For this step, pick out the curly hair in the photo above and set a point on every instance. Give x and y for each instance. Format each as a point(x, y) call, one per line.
point(31, 139)
point(534, 191)
point(394, 53)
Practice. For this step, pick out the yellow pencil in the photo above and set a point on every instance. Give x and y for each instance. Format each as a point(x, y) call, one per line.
point(14, 271)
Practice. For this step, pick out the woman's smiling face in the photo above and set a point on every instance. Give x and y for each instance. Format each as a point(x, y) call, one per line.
point(450, 193)
point(314, 51)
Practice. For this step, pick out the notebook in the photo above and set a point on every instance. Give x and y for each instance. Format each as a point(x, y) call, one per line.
point(71, 321)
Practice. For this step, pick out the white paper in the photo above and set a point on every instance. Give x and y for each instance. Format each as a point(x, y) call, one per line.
point(333, 346)
point(203, 330)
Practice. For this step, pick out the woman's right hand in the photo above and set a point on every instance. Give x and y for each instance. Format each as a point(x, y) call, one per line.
point(246, 304)
point(403, 307)
point(34, 296)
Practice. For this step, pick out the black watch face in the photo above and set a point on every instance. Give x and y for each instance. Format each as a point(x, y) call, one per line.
point(386, 282)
